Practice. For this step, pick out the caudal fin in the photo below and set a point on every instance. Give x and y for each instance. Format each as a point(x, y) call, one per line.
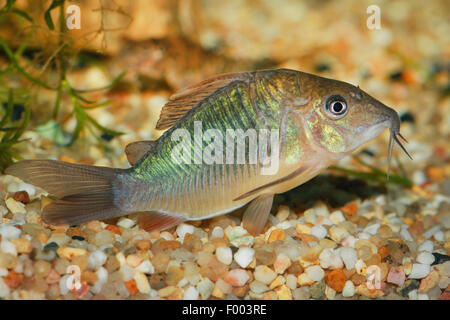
point(84, 192)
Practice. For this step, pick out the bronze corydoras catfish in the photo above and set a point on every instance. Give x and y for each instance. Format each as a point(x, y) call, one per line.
point(317, 121)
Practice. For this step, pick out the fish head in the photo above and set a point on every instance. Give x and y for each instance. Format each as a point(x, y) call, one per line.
point(341, 117)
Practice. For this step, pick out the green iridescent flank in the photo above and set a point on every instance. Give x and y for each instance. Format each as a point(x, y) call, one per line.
point(332, 139)
point(293, 149)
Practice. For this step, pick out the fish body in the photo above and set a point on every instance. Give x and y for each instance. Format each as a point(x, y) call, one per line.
point(231, 140)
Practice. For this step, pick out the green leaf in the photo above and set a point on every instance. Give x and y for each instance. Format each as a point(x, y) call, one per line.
point(48, 16)
point(14, 62)
point(22, 14)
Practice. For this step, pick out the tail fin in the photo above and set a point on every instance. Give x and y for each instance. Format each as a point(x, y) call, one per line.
point(84, 192)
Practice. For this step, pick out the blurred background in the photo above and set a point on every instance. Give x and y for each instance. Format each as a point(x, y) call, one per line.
point(97, 79)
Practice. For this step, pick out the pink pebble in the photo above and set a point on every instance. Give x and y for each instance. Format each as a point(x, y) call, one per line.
point(396, 276)
point(236, 277)
point(281, 263)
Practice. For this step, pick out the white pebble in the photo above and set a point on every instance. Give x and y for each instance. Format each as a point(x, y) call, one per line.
point(146, 267)
point(349, 257)
point(244, 256)
point(419, 177)
point(329, 258)
point(431, 232)
point(8, 247)
point(404, 233)
point(127, 272)
point(291, 281)
point(419, 271)
point(337, 217)
point(9, 232)
point(372, 229)
point(224, 255)
point(425, 257)
point(96, 259)
point(315, 273)
point(319, 232)
point(4, 289)
point(422, 296)
point(349, 289)
point(205, 288)
point(183, 229)
point(264, 274)
point(412, 295)
point(439, 236)
point(427, 245)
point(126, 223)
point(217, 232)
point(3, 272)
point(190, 294)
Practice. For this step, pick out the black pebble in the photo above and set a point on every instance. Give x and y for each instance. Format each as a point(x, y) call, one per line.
point(78, 238)
point(440, 258)
point(52, 246)
point(322, 67)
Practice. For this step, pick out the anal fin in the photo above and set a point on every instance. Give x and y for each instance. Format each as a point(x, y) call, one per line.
point(257, 213)
point(151, 221)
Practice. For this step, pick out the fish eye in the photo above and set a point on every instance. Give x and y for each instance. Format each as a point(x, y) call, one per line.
point(336, 106)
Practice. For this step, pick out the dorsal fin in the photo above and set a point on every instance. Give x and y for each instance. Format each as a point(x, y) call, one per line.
point(136, 150)
point(185, 99)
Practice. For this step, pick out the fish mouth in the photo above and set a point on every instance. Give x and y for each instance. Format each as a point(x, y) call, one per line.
point(394, 129)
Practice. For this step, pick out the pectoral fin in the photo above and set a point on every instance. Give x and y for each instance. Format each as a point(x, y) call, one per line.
point(257, 213)
point(151, 221)
point(137, 150)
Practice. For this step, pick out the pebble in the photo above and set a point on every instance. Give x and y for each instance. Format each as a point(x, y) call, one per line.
point(183, 229)
point(302, 293)
point(191, 293)
point(142, 282)
point(217, 232)
point(4, 289)
point(9, 232)
point(264, 274)
point(349, 289)
point(291, 281)
point(258, 287)
point(205, 287)
point(319, 232)
point(419, 271)
point(96, 259)
point(15, 207)
point(315, 273)
point(146, 267)
point(237, 277)
point(338, 233)
point(425, 257)
point(244, 256)
point(8, 247)
point(70, 253)
point(336, 280)
point(396, 276)
point(337, 217)
point(329, 258)
point(281, 263)
point(126, 223)
point(349, 257)
point(431, 232)
point(429, 282)
point(224, 255)
point(427, 245)
point(283, 293)
point(317, 290)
